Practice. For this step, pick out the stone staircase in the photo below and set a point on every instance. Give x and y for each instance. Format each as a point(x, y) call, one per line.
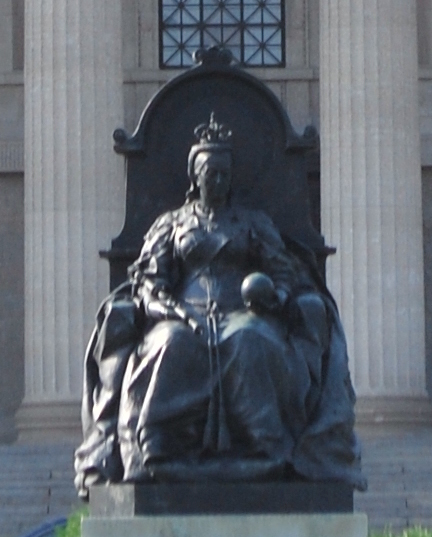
point(36, 482)
point(398, 464)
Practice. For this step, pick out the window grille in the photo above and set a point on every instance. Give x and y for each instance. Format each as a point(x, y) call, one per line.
point(253, 30)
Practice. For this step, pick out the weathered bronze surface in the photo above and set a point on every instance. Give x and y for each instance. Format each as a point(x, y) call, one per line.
point(222, 358)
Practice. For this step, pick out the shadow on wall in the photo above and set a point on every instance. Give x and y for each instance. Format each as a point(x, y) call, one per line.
point(11, 301)
point(427, 247)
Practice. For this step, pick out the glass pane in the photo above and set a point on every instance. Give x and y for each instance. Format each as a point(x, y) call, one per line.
point(212, 36)
point(276, 52)
point(233, 10)
point(167, 11)
point(171, 16)
point(231, 36)
point(268, 32)
point(252, 37)
point(229, 18)
point(269, 58)
point(251, 14)
point(172, 57)
point(189, 17)
point(191, 38)
point(253, 56)
point(269, 17)
point(275, 10)
point(275, 38)
point(212, 14)
point(172, 36)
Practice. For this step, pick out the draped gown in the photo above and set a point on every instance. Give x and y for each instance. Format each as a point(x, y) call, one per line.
point(252, 396)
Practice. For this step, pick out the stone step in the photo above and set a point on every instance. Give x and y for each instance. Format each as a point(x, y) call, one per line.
point(399, 470)
point(36, 484)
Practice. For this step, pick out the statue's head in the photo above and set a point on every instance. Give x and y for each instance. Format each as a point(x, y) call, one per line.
point(210, 162)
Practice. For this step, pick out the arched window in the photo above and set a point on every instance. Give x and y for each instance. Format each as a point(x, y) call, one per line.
point(253, 30)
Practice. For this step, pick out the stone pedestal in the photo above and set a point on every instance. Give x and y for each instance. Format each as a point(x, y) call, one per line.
point(278, 509)
point(73, 196)
point(329, 525)
point(129, 500)
point(371, 193)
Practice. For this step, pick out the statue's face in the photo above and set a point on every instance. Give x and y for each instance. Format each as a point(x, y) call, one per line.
point(213, 172)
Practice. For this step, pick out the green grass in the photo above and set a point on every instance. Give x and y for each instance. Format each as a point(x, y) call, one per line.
point(410, 532)
point(73, 526)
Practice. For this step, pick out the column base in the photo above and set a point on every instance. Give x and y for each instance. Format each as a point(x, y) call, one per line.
point(350, 525)
point(393, 410)
point(52, 421)
point(60, 420)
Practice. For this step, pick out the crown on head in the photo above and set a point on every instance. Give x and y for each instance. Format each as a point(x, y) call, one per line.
point(213, 133)
point(213, 138)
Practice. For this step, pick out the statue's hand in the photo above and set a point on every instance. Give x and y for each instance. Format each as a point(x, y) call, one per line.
point(259, 293)
point(165, 307)
point(159, 309)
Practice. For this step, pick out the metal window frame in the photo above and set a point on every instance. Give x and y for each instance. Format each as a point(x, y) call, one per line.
point(241, 29)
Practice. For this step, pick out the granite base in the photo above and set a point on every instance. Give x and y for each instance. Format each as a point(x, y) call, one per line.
point(312, 525)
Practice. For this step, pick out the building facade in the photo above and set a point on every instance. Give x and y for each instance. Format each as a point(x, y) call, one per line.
point(71, 71)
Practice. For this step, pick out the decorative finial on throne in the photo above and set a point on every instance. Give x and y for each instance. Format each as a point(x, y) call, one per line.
point(213, 55)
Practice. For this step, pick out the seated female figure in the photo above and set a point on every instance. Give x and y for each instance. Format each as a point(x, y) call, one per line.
point(236, 368)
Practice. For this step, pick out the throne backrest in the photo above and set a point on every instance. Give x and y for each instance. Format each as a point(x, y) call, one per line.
point(269, 168)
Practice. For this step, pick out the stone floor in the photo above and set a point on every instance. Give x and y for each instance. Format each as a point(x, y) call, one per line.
point(36, 482)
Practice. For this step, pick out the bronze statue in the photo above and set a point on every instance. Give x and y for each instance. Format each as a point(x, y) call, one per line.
point(222, 358)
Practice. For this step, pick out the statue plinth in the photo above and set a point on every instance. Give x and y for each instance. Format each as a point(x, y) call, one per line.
point(295, 509)
point(131, 500)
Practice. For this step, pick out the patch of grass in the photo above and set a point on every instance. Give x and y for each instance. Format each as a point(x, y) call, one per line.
point(410, 532)
point(73, 526)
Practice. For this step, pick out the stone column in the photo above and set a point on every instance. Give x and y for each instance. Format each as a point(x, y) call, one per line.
point(371, 197)
point(73, 196)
